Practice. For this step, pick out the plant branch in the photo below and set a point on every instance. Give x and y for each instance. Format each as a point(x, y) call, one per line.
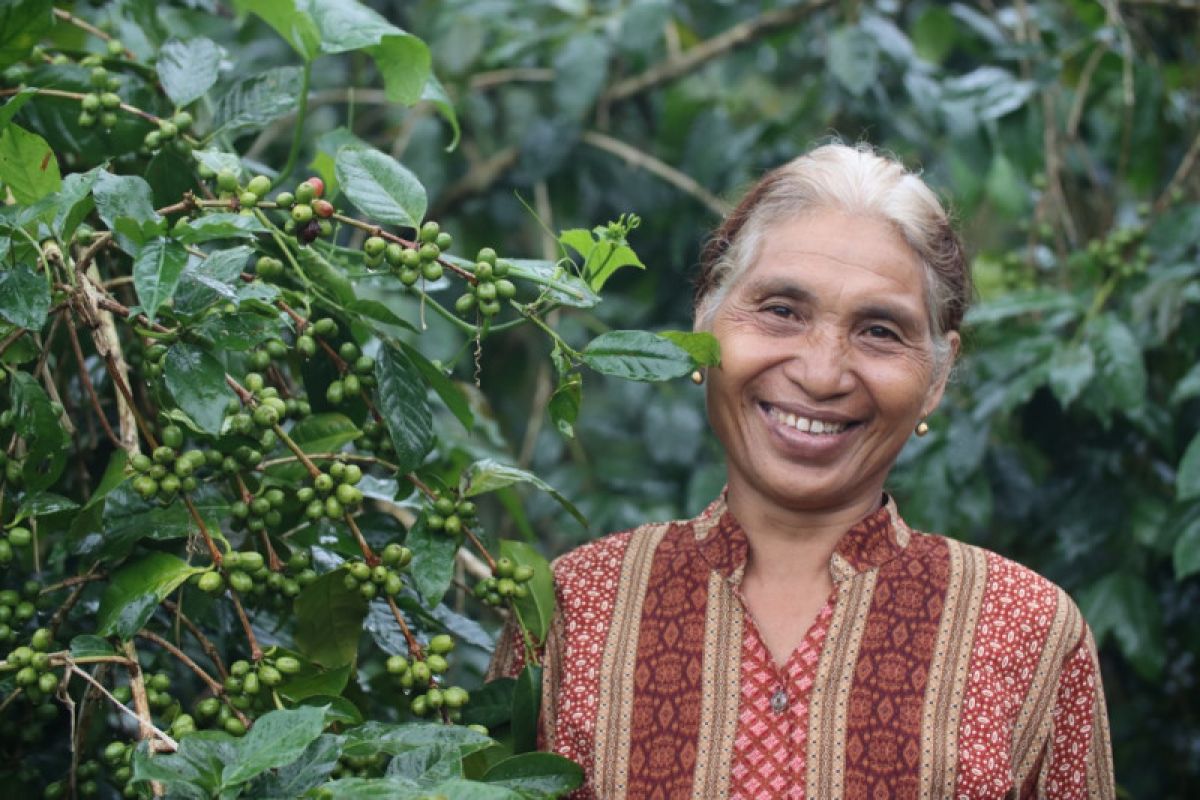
point(86, 380)
point(213, 685)
point(695, 57)
point(145, 726)
point(654, 166)
point(1181, 174)
point(206, 645)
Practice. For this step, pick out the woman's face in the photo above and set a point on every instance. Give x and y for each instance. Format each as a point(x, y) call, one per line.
point(826, 363)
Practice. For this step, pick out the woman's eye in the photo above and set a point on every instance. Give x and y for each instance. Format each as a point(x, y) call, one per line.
point(881, 332)
point(779, 310)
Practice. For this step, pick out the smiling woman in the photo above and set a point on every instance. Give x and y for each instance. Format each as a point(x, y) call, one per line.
point(798, 639)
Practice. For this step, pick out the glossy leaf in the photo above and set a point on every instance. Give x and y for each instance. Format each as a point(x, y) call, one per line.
point(433, 560)
point(537, 774)
point(22, 25)
point(489, 475)
point(27, 164)
point(536, 609)
point(637, 356)
point(136, 589)
point(329, 621)
point(380, 186)
point(277, 738)
point(196, 380)
point(1187, 550)
point(853, 58)
point(702, 346)
point(258, 100)
point(35, 420)
point(123, 196)
point(24, 297)
point(187, 70)
point(404, 407)
point(1123, 605)
point(1187, 478)
point(527, 700)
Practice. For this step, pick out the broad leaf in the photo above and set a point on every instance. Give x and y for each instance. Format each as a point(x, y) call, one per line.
point(527, 701)
point(123, 196)
point(135, 591)
point(433, 560)
point(1187, 550)
point(187, 70)
point(446, 389)
point(1071, 370)
point(537, 775)
point(194, 771)
point(637, 355)
point(86, 646)
point(295, 26)
point(536, 608)
point(277, 738)
point(703, 347)
point(24, 297)
point(1187, 478)
point(403, 404)
point(318, 433)
point(853, 58)
point(565, 402)
point(307, 772)
point(489, 475)
point(380, 186)
point(27, 164)
point(1123, 605)
point(127, 519)
point(256, 101)
point(217, 226)
point(23, 23)
point(329, 620)
point(36, 422)
point(196, 380)
point(156, 272)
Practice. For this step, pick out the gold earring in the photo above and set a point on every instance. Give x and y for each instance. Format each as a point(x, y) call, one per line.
point(697, 377)
point(922, 428)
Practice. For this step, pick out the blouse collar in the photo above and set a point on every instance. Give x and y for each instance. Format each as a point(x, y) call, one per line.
point(870, 543)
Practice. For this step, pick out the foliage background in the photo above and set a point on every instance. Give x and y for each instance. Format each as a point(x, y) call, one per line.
point(1064, 135)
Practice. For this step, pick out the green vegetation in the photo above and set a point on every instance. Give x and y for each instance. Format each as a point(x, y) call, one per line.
point(296, 335)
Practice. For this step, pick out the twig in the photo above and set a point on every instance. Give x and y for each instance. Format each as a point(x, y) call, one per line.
point(206, 645)
point(1181, 174)
point(86, 380)
point(414, 647)
point(145, 726)
point(369, 554)
point(256, 652)
point(702, 53)
point(642, 160)
point(67, 16)
point(497, 77)
point(214, 686)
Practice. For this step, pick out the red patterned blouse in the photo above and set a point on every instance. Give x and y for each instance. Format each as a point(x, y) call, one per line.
point(936, 669)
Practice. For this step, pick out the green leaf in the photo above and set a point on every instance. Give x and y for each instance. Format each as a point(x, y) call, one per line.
point(489, 475)
point(123, 196)
point(1187, 548)
point(853, 59)
point(1005, 186)
point(1188, 386)
point(218, 226)
point(217, 160)
point(435, 94)
point(1071, 370)
point(1016, 304)
point(23, 23)
point(433, 560)
point(491, 705)
point(208, 280)
point(187, 70)
point(1187, 478)
point(277, 738)
point(392, 788)
point(314, 682)
point(36, 422)
point(527, 701)
point(27, 164)
point(561, 286)
point(24, 297)
point(114, 475)
point(307, 772)
point(404, 407)
point(74, 201)
point(446, 389)
point(380, 737)
point(380, 186)
point(194, 771)
point(295, 26)
point(401, 58)
point(537, 775)
point(156, 271)
point(196, 379)
point(637, 355)
point(436, 762)
point(565, 402)
point(127, 519)
point(10, 109)
point(256, 101)
point(1119, 361)
point(1123, 605)
point(91, 646)
point(42, 504)
point(329, 619)
point(703, 347)
point(536, 609)
point(933, 34)
point(581, 71)
point(135, 591)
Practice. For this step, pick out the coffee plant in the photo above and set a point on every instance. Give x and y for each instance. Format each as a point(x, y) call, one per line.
point(240, 555)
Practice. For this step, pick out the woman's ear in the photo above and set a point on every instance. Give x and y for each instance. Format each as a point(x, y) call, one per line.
point(942, 375)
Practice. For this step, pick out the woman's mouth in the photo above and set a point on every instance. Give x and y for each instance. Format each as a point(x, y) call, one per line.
point(805, 424)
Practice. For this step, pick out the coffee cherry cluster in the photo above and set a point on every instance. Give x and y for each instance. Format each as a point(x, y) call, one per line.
point(17, 608)
point(331, 494)
point(18, 537)
point(359, 766)
point(249, 687)
point(310, 212)
point(508, 581)
point(170, 132)
point(418, 677)
point(411, 264)
point(1122, 253)
point(382, 578)
point(374, 438)
point(359, 374)
point(491, 286)
point(324, 327)
point(33, 664)
point(118, 758)
point(100, 105)
point(449, 515)
point(85, 786)
point(158, 691)
point(167, 470)
point(13, 472)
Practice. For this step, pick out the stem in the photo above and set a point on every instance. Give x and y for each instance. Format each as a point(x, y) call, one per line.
point(68, 17)
point(414, 647)
point(207, 646)
point(256, 652)
point(375, 230)
point(144, 724)
point(74, 581)
point(86, 380)
point(298, 135)
point(479, 546)
point(367, 552)
point(214, 686)
point(274, 462)
point(208, 540)
point(137, 112)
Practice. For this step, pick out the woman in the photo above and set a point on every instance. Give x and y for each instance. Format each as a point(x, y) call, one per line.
point(798, 639)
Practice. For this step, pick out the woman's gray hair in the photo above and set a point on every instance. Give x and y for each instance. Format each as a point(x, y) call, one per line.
point(859, 181)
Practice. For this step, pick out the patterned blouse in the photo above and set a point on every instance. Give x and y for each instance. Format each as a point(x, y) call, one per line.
point(935, 670)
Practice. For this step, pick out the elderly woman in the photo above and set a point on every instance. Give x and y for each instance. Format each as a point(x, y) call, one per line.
point(798, 639)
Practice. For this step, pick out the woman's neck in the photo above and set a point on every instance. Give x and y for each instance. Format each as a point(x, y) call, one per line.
point(789, 544)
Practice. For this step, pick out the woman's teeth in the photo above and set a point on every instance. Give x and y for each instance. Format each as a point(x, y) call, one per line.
point(805, 424)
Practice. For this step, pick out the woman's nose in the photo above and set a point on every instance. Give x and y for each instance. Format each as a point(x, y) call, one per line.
point(820, 365)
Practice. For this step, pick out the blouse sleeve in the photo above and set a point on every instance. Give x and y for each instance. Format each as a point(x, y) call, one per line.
point(1079, 752)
